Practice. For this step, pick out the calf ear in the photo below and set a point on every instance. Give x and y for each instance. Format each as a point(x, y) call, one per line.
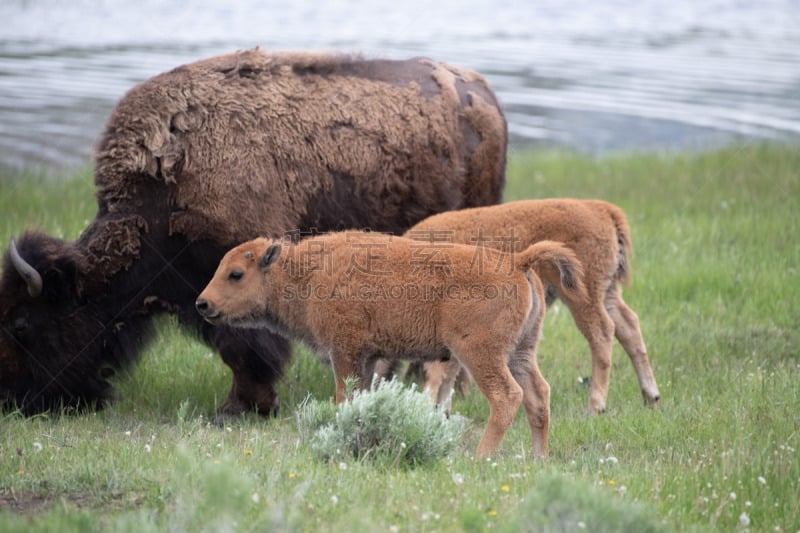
point(271, 255)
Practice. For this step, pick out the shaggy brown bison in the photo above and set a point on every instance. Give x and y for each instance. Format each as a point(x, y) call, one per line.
point(211, 154)
point(599, 234)
point(355, 295)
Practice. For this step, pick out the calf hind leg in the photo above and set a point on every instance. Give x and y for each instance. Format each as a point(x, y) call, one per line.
point(598, 328)
point(629, 334)
point(535, 389)
point(494, 380)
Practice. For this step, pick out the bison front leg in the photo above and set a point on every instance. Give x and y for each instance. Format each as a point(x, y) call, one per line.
point(257, 359)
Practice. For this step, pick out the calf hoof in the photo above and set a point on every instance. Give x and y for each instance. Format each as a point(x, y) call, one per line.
point(596, 408)
point(651, 401)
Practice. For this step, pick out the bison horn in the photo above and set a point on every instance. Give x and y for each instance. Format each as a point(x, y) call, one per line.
point(28, 273)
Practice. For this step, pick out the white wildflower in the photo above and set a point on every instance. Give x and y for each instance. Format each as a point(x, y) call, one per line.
point(255, 497)
point(342, 466)
point(37, 446)
point(581, 525)
point(612, 460)
point(458, 479)
point(762, 480)
point(732, 496)
point(334, 499)
point(744, 520)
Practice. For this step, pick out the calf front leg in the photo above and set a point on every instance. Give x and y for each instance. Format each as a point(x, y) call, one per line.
point(440, 380)
point(344, 363)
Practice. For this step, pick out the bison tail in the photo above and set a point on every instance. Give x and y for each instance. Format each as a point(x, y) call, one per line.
point(556, 265)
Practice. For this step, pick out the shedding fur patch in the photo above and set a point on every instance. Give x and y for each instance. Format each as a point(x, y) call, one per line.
point(116, 244)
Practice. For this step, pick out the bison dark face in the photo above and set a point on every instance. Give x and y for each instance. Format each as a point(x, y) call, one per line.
point(53, 349)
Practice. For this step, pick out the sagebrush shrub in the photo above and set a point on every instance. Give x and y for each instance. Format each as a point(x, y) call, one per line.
point(390, 424)
point(557, 503)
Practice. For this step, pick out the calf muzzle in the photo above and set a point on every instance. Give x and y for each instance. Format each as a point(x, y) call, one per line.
point(206, 310)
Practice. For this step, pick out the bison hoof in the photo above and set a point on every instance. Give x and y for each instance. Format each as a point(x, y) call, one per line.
point(236, 408)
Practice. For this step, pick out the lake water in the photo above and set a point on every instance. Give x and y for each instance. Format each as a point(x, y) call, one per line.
point(596, 76)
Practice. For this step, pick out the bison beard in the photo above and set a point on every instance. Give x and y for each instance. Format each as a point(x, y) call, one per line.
point(196, 160)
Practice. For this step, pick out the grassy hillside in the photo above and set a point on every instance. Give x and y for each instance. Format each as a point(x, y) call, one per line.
point(717, 290)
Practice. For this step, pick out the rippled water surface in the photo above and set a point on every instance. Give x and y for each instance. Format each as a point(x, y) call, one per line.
point(596, 76)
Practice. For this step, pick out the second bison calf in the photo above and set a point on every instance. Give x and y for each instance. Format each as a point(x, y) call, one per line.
point(354, 296)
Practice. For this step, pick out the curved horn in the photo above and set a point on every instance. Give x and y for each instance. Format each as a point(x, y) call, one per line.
point(28, 273)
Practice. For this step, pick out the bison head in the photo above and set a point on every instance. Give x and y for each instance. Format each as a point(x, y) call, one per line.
point(50, 334)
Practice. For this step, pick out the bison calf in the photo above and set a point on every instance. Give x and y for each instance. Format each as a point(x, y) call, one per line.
point(355, 295)
point(598, 233)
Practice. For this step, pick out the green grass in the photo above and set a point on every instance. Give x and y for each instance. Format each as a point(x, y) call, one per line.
point(716, 287)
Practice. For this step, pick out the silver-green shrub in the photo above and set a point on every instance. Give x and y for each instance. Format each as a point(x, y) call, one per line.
point(390, 424)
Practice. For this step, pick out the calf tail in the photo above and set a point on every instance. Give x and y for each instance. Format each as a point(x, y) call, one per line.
point(556, 265)
point(624, 245)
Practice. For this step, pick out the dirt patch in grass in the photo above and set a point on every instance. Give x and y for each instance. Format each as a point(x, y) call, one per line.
point(30, 503)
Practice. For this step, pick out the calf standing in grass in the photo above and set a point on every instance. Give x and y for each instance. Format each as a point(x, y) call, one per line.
point(598, 233)
point(354, 296)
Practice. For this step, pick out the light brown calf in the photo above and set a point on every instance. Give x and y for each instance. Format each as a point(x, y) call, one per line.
point(354, 295)
point(598, 233)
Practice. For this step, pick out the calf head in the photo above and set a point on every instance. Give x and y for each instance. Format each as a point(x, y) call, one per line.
point(237, 293)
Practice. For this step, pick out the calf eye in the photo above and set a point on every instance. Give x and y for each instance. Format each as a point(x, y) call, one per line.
point(235, 275)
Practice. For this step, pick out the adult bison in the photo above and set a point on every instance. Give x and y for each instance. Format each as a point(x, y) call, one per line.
point(198, 159)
